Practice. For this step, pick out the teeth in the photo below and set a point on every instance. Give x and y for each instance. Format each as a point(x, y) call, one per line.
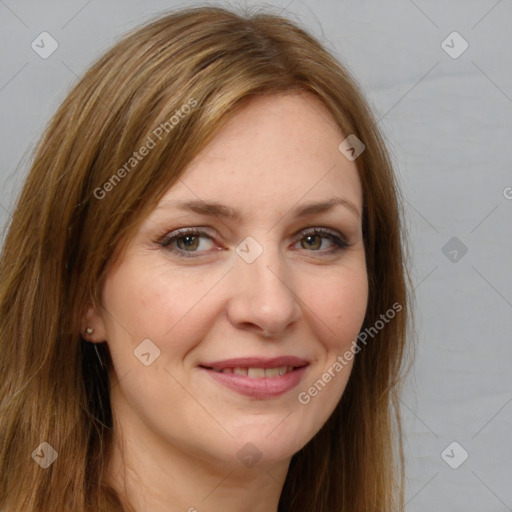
point(272, 372)
point(258, 373)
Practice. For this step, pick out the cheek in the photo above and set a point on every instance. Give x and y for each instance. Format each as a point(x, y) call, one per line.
point(144, 301)
point(338, 303)
point(337, 308)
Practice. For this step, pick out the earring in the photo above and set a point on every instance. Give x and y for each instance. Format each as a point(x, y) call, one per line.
point(98, 355)
point(88, 332)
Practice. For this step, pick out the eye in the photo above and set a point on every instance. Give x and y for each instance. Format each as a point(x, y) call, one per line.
point(313, 239)
point(186, 241)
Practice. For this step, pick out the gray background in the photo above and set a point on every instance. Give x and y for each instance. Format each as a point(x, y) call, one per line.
point(448, 124)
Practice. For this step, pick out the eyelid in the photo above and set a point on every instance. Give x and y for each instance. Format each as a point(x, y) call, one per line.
point(323, 230)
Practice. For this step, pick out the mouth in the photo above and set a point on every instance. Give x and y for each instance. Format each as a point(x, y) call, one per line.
point(257, 377)
point(255, 372)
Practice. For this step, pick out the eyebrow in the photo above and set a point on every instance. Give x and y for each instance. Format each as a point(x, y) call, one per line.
point(221, 210)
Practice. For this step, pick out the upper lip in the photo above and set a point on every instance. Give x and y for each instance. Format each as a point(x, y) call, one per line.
point(256, 362)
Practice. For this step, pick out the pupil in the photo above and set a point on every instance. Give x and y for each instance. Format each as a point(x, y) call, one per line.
point(310, 240)
point(189, 241)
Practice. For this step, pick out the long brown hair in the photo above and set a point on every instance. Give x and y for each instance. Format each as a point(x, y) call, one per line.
point(66, 231)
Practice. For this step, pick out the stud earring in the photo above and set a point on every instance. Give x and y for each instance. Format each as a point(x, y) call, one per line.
point(89, 330)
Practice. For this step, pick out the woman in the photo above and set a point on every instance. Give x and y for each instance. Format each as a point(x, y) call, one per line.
point(203, 287)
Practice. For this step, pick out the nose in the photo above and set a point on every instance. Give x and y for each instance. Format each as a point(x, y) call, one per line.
point(262, 298)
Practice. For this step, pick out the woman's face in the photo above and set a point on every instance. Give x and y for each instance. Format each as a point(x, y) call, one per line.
point(197, 289)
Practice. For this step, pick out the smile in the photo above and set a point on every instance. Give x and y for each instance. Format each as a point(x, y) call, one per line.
point(260, 382)
point(257, 373)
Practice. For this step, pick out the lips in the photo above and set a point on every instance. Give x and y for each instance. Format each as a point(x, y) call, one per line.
point(258, 377)
point(256, 362)
point(258, 373)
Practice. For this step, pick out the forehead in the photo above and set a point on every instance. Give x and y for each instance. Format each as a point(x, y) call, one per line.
point(274, 151)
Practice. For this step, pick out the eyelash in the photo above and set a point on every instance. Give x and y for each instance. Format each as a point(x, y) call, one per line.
point(166, 241)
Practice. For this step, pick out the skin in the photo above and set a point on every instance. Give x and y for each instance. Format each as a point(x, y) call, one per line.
point(177, 431)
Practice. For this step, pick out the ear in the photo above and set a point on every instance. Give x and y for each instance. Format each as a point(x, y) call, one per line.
point(93, 320)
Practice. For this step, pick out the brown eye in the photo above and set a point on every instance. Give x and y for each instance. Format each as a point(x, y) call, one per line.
point(189, 242)
point(312, 242)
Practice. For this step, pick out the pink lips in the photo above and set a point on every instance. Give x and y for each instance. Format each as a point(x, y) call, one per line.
point(262, 388)
point(257, 362)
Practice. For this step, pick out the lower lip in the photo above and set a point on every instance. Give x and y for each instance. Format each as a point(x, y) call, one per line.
point(266, 387)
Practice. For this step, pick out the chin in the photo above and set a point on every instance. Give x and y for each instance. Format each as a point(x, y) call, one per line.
point(271, 441)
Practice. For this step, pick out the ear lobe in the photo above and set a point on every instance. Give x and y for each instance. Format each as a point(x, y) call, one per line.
point(93, 320)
